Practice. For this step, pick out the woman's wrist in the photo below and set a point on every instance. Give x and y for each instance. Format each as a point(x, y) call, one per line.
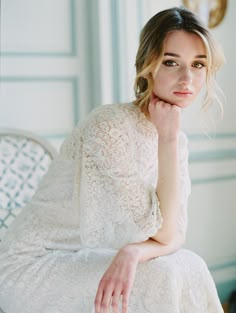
point(132, 251)
point(167, 139)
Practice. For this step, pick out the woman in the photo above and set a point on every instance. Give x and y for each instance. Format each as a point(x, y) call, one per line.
point(105, 228)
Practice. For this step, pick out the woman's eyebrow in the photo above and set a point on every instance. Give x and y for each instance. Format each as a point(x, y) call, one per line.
point(199, 56)
point(171, 54)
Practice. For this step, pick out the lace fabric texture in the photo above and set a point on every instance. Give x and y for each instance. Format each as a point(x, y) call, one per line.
point(97, 196)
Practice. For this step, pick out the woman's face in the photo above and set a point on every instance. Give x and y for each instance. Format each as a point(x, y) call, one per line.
point(183, 68)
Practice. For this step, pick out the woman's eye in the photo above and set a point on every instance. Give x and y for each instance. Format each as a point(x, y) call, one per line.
point(170, 63)
point(198, 65)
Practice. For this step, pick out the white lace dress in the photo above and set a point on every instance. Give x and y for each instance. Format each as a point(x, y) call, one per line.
point(97, 196)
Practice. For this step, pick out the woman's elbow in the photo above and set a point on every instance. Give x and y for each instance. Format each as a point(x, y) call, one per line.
point(175, 237)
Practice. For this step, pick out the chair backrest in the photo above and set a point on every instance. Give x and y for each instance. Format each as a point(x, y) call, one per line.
point(24, 159)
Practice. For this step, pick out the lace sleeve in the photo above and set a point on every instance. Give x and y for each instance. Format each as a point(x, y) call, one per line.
point(57, 194)
point(116, 206)
point(185, 183)
point(71, 145)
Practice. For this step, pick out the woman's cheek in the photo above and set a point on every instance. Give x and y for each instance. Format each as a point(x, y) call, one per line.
point(201, 79)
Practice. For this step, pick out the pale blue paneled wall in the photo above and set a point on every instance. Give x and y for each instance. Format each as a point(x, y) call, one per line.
point(109, 36)
point(39, 67)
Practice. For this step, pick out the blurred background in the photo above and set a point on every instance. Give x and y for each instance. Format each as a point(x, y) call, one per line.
point(62, 58)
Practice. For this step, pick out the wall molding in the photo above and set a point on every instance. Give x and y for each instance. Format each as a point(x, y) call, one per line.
point(73, 46)
point(142, 13)
point(47, 79)
point(222, 266)
point(225, 288)
point(211, 136)
point(116, 49)
point(210, 180)
point(212, 155)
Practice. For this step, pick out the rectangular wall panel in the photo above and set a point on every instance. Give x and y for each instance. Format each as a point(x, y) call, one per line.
point(212, 219)
point(34, 27)
point(43, 105)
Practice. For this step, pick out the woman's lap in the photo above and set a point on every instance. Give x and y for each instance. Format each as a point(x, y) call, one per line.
point(67, 282)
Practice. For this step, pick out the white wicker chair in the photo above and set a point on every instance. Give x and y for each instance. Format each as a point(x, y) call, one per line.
point(24, 159)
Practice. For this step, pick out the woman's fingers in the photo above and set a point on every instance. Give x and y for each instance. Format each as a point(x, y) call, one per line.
point(106, 300)
point(166, 118)
point(116, 284)
point(153, 97)
point(108, 296)
point(98, 299)
point(125, 300)
point(116, 300)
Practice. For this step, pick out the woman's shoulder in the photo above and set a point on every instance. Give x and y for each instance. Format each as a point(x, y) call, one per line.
point(112, 115)
point(112, 111)
point(104, 117)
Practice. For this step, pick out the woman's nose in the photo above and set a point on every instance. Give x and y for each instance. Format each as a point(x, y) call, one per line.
point(185, 76)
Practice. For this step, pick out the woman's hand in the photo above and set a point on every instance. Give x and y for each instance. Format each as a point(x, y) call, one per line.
point(165, 117)
point(117, 282)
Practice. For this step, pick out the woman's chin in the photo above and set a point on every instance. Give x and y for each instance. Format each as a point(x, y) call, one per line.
point(181, 103)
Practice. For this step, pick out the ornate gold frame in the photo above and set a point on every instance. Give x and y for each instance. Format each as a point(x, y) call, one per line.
point(217, 10)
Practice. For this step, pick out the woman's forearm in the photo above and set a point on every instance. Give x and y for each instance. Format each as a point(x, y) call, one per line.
point(168, 189)
point(166, 119)
point(150, 248)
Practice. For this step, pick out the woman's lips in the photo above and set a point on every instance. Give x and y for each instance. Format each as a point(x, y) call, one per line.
point(183, 93)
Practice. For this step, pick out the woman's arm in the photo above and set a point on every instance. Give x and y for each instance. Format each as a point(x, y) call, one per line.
point(150, 248)
point(168, 189)
point(118, 279)
point(166, 119)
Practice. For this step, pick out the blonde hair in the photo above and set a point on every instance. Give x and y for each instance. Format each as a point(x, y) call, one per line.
point(150, 52)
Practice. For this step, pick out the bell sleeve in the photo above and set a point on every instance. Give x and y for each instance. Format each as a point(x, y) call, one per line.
point(116, 206)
